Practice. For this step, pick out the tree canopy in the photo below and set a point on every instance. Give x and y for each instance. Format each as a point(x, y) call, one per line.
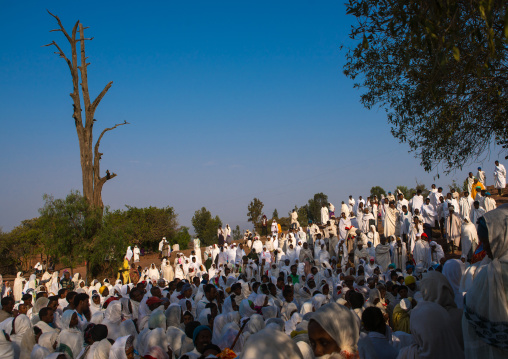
point(205, 226)
point(314, 206)
point(255, 212)
point(439, 69)
point(377, 191)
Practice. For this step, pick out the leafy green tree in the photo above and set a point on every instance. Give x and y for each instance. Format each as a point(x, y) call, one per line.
point(69, 226)
point(236, 233)
point(377, 191)
point(314, 206)
point(275, 214)
point(182, 238)
point(205, 226)
point(255, 213)
point(439, 70)
point(303, 218)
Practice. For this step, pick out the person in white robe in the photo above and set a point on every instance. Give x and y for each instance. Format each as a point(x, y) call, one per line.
point(453, 228)
point(499, 177)
point(485, 303)
point(489, 203)
point(468, 239)
point(383, 254)
point(18, 286)
point(421, 253)
point(415, 230)
point(391, 219)
point(465, 205)
point(162, 243)
point(167, 270)
point(476, 213)
point(153, 272)
point(470, 181)
point(366, 218)
point(197, 250)
point(129, 253)
point(344, 225)
point(351, 204)
point(325, 217)
point(481, 176)
point(136, 252)
point(436, 252)
point(274, 228)
point(373, 236)
point(399, 252)
point(344, 208)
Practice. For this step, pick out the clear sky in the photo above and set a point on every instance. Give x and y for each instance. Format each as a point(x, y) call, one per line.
point(227, 100)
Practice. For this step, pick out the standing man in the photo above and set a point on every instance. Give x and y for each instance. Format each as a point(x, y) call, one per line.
point(324, 214)
point(294, 219)
point(481, 176)
point(453, 228)
point(499, 178)
point(470, 181)
point(264, 226)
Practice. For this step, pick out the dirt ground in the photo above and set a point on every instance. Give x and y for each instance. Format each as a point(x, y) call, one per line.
point(149, 258)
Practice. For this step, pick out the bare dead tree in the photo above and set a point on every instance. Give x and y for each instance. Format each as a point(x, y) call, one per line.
point(89, 154)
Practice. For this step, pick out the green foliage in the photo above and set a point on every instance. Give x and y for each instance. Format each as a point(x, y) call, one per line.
point(377, 191)
point(275, 214)
point(236, 233)
point(454, 186)
point(205, 226)
point(303, 218)
point(69, 226)
point(314, 206)
point(405, 191)
point(148, 225)
point(255, 213)
point(464, 186)
point(19, 246)
point(182, 238)
point(438, 68)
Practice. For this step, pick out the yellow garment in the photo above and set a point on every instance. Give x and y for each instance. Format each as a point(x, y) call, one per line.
point(124, 271)
point(101, 289)
point(279, 227)
point(474, 192)
point(401, 320)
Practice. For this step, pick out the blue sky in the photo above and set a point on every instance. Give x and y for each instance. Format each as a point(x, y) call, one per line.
point(227, 100)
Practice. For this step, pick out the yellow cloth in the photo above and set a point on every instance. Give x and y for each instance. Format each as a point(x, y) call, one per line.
point(124, 272)
point(401, 320)
point(101, 289)
point(473, 191)
point(279, 227)
point(409, 280)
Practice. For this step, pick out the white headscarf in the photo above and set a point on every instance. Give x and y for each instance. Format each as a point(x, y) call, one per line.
point(453, 270)
point(339, 322)
point(485, 303)
point(432, 333)
point(113, 318)
point(117, 350)
point(70, 338)
point(260, 345)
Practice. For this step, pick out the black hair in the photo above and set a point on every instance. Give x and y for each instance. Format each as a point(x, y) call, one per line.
point(356, 299)
point(26, 297)
point(70, 297)
point(208, 288)
point(373, 320)
point(43, 312)
point(189, 328)
point(6, 301)
point(99, 332)
point(53, 298)
point(80, 297)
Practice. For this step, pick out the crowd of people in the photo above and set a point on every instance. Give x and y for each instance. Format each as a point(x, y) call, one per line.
point(339, 288)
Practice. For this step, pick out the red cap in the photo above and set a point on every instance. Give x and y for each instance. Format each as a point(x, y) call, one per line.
point(153, 300)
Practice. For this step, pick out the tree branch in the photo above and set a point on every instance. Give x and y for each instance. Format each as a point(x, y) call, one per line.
point(61, 26)
point(100, 96)
point(106, 130)
point(84, 80)
point(60, 52)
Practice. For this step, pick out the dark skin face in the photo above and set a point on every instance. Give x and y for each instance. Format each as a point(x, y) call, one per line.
point(9, 307)
point(187, 319)
point(203, 339)
point(211, 295)
point(320, 341)
point(74, 321)
point(53, 305)
point(22, 309)
point(48, 318)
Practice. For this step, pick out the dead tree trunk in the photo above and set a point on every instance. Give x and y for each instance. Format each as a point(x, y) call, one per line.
point(89, 154)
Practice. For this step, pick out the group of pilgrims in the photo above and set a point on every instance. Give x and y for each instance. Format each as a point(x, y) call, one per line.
point(335, 289)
